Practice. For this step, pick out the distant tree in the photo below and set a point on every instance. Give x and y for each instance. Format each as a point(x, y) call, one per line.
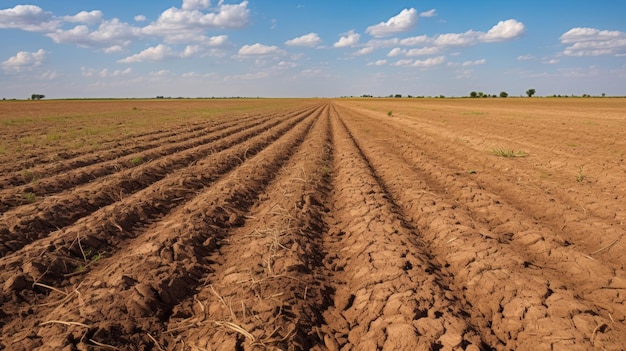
point(530, 92)
point(37, 96)
point(473, 94)
point(603, 94)
point(503, 94)
point(398, 95)
point(481, 94)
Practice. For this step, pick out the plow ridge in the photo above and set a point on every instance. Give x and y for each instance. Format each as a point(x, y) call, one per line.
point(33, 221)
point(326, 226)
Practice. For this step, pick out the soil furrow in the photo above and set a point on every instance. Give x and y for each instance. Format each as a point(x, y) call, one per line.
point(171, 256)
point(531, 238)
point(389, 294)
point(50, 164)
point(571, 212)
point(74, 177)
point(29, 223)
point(269, 270)
point(525, 310)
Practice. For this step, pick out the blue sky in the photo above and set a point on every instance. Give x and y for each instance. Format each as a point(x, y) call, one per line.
point(307, 48)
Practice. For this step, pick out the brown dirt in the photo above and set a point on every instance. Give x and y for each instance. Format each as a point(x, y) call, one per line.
point(324, 225)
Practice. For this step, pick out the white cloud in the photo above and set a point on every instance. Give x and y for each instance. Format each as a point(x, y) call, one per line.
point(402, 22)
point(457, 39)
point(378, 63)
point(85, 17)
point(429, 13)
point(473, 63)
point(156, 53)
point(285, 65)
point(594, 42)
point(48, 75)
point(348, 39)
point(396, 52)
point(196, 4)
point(140, 18)
point(311, 39)
point(113, 49)
point(504, 30)
point(430, 62)
point(552, 61)
point(404, 62)
point(412, 41)
point(109, 34)
point(174, 19)
point(258, 50)
point(30, 18)
point(364, 51)
point(24, 61)
point(104, 73)
point(422, 51)
point(525, 57)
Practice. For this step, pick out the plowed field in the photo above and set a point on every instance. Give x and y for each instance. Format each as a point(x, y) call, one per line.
point(363, 224)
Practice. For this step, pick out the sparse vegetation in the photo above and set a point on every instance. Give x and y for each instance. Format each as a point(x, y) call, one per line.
point(136, 161)
point(390, 113)
point(29, 197)
point(504, 152)
point(580, 176)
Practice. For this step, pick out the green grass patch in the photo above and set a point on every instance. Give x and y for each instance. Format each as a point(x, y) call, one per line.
point(136, 161)
point(505, 152)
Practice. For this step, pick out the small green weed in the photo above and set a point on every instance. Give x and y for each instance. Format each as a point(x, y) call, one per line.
point(580, 176)
point(30, 176)
point(136, 161)
point(30, 197)
point(508, 152)
point(390, 113)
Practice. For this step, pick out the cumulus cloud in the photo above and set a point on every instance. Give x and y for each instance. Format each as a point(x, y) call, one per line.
point(348, 39)
point(402, 22)
point(457, 39)
point(429, 13)
point(109, 34)
point(175, 19)
point(85, 17)
point(504, 30)
point(24, 61)
point(396, 52)
point(258, 50)
point(196, 4)
point(30, 18)
point(425, 64)
point(425, 51)
point(156, 53)
point(184, 25)
point(140, 18)
point(364, 51)
point(311, 39)
point(594, 42)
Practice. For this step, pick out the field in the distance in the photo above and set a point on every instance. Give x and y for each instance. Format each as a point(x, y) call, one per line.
point(310, 224)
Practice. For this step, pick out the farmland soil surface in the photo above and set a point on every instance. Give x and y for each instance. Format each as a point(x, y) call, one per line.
point(347, 224)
